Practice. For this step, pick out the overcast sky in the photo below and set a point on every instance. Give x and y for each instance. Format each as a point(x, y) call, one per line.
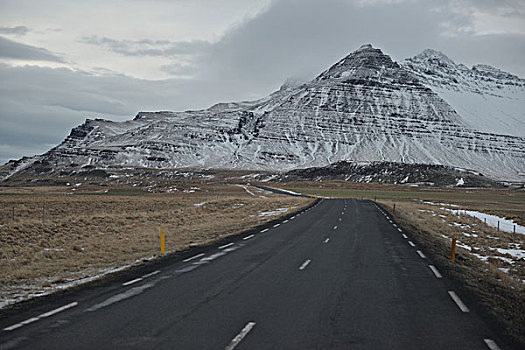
point(64, 61)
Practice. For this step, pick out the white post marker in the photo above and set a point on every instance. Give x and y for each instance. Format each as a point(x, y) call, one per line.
point(239, 337)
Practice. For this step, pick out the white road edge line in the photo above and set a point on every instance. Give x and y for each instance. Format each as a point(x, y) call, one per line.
point(285, 221)
point(226, 245)
point(132, 281)
point(239, 337)
point(458, 301)
point(421, 254)
point(303, 266)
point(193, 257)
point(248, 237)
point(151, 274)
point(405, 236)
point(263, 231)
point(326, 240)
point(335, 227)
point(411, 243)
point(276, 225)
point(435, 271)
point(400, 230)
point(46, 314)
point(491, 344)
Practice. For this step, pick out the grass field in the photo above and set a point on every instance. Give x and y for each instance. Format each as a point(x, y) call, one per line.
point(57, 238)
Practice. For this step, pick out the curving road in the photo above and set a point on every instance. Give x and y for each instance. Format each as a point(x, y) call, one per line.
point(341, 275)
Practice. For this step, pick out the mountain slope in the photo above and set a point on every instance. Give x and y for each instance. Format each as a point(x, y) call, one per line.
point(487, 98)
point(366, 107)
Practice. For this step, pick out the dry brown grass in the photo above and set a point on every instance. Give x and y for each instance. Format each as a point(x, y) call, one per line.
point(85, 234)
point(501, 295)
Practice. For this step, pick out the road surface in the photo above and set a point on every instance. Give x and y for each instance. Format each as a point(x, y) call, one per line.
point(341, 275)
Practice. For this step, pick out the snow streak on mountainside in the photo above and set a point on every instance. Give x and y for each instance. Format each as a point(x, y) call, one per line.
point(366, 108)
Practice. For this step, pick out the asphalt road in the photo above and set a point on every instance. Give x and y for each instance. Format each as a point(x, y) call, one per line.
point(338, 276)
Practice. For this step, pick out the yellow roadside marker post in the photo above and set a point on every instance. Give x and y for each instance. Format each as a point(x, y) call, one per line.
point(394, 211)
point(290, 207)
point(453, 253)
point(162, 241)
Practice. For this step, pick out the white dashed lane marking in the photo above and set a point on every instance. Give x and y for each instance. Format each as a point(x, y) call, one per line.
point(239, 337)
point(491, 344)
point(226, 245)
point(435, 271)
point(404, 236)
point(326, 240)
point(262, 231)
point(193, 257)
point(303, 266)
point(44, 315)
point(458, 301)
point(248, 237)
point(421, 254)
point(411, 243)
point(276, 225)
point(132, 281)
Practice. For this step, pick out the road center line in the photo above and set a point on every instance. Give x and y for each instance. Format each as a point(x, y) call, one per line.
point(458, 301)
point(239, 337)
point(411, 243)
point(404, 236)
point(132, 281)
point(491, 344)
point(248, 237)
point(45, 314)
point(226, 245)
point(421, 254)
point(326, 240)
point(435, 271)
point(193, 257)
point(335, 227)
point(303, 266)
point(263, 231)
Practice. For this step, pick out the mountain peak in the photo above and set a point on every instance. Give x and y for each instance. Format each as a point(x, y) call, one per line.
point(362, 63)
point(434, 57)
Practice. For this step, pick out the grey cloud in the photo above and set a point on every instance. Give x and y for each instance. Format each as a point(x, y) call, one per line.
point(147, 47)
point(18, 30)
point(14, 50)
point(293, 38)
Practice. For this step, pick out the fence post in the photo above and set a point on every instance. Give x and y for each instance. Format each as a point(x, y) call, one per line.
point(453, 252)
point(13, 214)
point(498, 225)
point(43, 213)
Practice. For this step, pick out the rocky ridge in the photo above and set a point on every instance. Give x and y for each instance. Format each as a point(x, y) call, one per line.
point(365, 108)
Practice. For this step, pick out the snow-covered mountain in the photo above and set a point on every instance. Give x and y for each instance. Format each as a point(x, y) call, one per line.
point(486, 98)
point(365, 108)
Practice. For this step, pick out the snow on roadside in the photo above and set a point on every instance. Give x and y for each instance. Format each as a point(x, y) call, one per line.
point(506, 225)
point(277, 211)
point(45, 287)
point(508, 257)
